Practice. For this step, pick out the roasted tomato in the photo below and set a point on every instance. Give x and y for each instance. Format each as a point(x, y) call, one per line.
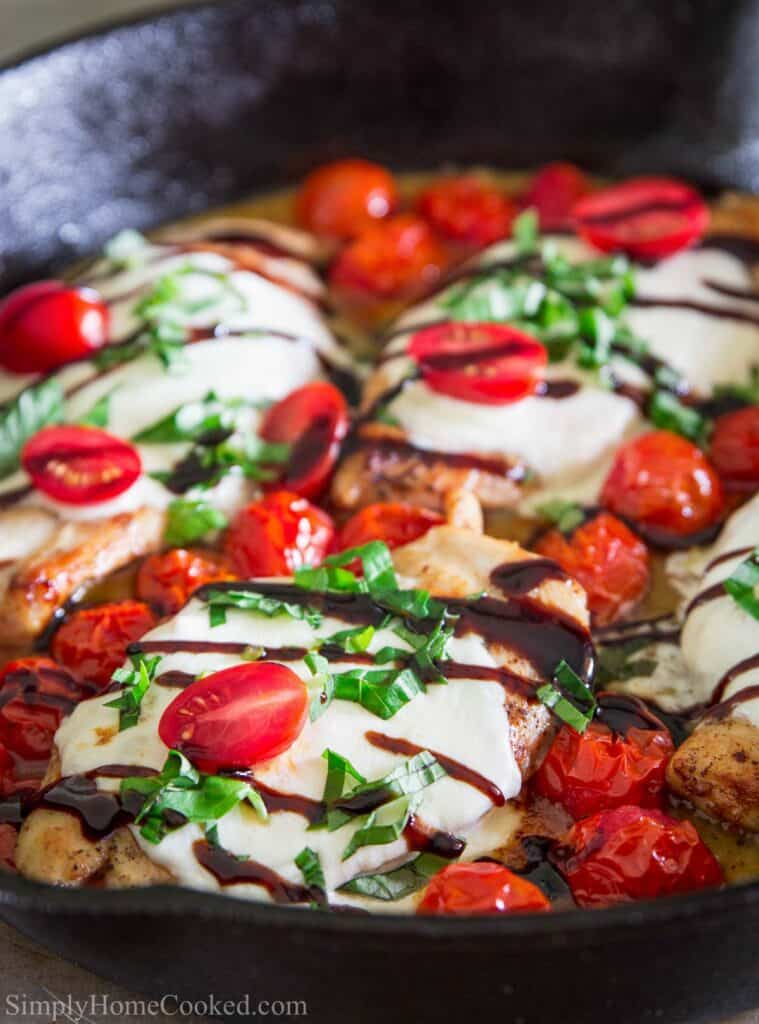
point(397, 259)
point(467, 209)
point(734, 449)
point(395, 523)
point(237, 717)
point(598, 769)
point(480, 888)
point(314, 419)
point(167, 580)
point(607, 559)
point(489, 364)
point(47, 324)
point(553, 192)
point(630, 853)
point(277, 535)
point(665, 485)
point(92, 642)
point(648, 218)
point(8, 837)
point(342, 199)
point(80, 465)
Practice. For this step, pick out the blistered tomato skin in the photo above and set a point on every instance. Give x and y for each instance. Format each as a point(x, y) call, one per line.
point(467, 210)
point(664, 484)
point(80, 465)
point(47, 324)
point(631, 853)
point(342, 199)
point(277, 535)
point(734, 450)
point(166, 581)
point(480, 888)
point(92, 642)
point(553, 192)
point(395, 523)
point(598, 769)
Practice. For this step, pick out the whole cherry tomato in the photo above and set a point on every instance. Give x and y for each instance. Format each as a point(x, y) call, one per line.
point(165, 581)
point(630, 853)
point(480, 888)
point(553, 192)
point(92, 642)
point(47, 324)
point(609, 561)
point(395, 523)
point(237, 717)
point(397, 259)
point(342, 199)
point(467, 209)
point(734, 449)
point(80, 465)
point(648, 218)
point(598, 769)
point(277, 535)
point(489, 364)
point(665, 484)
point(314, 419)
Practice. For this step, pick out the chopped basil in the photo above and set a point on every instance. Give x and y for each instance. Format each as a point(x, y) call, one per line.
point(136, 682)
point(248, 600)
point(194, 420)
point(352, 641)
point(310, 867)
point(412, 776)
point(552, 694)
point(747, 393)
point(164, 341)
point(666, 411)
point(169, 303)
point(339, 774)
point(321, 685)
point(565, 515)
point(616, 662)
point(127, 250)
point(384, 825)
point(190, 520)
point(402, 881)
point(98, 414)
point(376, 563)
point(23, 416)
point(743, 584)
point(383, 415)
point(383, 692)
point(525, 231)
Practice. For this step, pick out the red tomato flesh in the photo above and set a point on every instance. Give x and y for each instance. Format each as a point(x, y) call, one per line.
point(480, 888)
point(489, 364)
point(165, 581)
point(277, 535)
point(395, 523)
point(314, 419)
point(237, 717)
point(8, 837)
point(80, 465)
point(734, 450)
point(553, 192)
point(92, 642)
point(47, 324)
point(630, 853)
point(467, 210)
point(648, 218)
point(342, 199)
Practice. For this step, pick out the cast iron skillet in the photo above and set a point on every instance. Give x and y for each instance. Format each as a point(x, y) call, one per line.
point(148, 121)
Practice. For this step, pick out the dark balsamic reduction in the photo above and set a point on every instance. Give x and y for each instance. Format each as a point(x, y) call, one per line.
point(623, 212)
point(494, 464)
point(622, 712)
point(228, 870)
point(540, 871)
point(557, 389)
point(311, 448)
point(99, 813)
point(727, 556)
point(747, 665)
point(721, 312)
point(311, 810)
point(425, 840)
point(724, 708)
point(517, 578)
point(712, 593)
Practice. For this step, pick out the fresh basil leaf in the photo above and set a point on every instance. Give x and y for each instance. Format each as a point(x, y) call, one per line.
point(127, 250)
point(525, 231)
point(340, 772)
point(22, 417)
point(136, 682)
point(164, 341)
point(381, 692)
point(747, 393)
point(743, 584)
point(565, 515)
point(194, 420)
point(566, 680)
point(376, 562)
point(384, 825)
point(321, 685)
point(667, 412)
point(190, 520)
point(169, 301)
point(261, 604)
point(402, 881)
point(352, 641)
point(310, 867)
point(412, 776)
point(98, 414)
point(616, 662)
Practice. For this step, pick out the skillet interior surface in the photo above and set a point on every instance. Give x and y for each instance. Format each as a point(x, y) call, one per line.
point(143, 123)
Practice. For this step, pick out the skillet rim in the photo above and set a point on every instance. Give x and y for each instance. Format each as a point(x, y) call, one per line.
point(21, 894)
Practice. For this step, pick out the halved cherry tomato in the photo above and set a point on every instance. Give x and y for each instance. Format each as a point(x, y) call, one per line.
point(648, 218)
point(609, 561)
point(80, 465)
point(165, 581)
point(341, 199)
point(397, 259)
point(630, 853)
point(277, 535)
point(8, 837)
point(598, 769)
point(467, 209)
point(47, 324)
point(490, 364)
point(92, 642)
point(395, 523)
point(480, 888)
point(553, 192)
point(314, 419)
point(237, 717)
point(734, 449)
point(664, 484)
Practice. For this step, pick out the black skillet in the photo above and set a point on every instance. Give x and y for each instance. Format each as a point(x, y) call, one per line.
point(148, 121)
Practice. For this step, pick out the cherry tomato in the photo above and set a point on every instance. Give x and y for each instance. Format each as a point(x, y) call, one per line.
point(80, 465)
point(395, 523)
point(237, 717)
point(342, 199)
point(609, 561)
point(598, 769)
point(490, 364)
point(92, 642)
point(397, 259)
point(8, 837)
point(630, 853)
point(665, 484)
point(734, 449)
point(47, 324)
point(553, 192)
point(314, 419)
point(166, 581)
point(480, 888)
point(277, 535)
point(467, 210)
point(648, 218)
